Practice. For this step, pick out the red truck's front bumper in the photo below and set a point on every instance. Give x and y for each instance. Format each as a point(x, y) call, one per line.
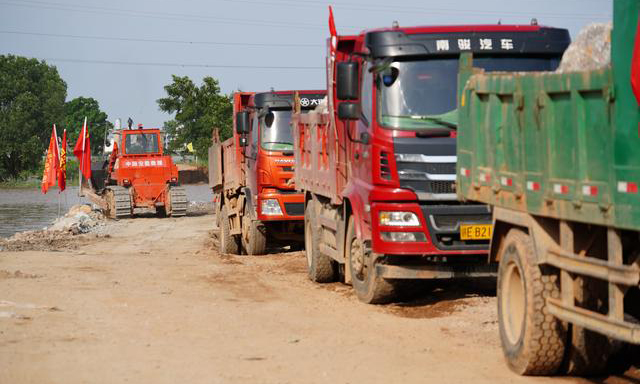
point(427, 230)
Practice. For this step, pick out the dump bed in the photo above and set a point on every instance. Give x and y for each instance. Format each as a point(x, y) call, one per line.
point(557, 145)
point(316, 149)
point(225, 164)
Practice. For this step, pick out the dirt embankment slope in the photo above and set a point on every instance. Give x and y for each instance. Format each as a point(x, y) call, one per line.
point(154, 303)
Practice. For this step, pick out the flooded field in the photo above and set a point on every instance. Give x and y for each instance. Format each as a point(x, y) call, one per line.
point(25, 209)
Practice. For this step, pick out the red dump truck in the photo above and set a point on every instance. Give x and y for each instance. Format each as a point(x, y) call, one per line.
point(377, 164)
point(251, 173)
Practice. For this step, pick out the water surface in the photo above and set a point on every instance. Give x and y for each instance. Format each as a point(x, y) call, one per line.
point(27, 209)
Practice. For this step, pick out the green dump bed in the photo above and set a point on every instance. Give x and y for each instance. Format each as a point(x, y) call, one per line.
point(565, 146)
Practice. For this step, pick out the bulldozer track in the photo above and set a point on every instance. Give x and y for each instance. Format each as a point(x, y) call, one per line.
point(178, 197)
point(121, 203)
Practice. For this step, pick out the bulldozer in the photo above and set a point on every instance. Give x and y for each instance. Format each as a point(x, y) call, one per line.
point(136, 174)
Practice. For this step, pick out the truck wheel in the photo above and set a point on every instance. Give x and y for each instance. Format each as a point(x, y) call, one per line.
point(254, 235)
point(533, 341)
point(228, 242)
point(370, 288)
point(320, 267)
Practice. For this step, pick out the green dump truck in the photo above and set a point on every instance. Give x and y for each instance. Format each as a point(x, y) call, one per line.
point(557, 156)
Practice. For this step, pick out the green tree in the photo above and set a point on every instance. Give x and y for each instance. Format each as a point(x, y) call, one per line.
point(75, 111)
point(32, 96)
point(197, 111)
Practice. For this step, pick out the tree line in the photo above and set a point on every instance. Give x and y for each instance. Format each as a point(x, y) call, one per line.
point(33, 98)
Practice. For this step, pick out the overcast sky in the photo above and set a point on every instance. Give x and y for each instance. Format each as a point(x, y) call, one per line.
point(122, 53)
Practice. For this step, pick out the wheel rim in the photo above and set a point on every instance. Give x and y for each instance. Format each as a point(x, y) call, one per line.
point(358, 264)
point(308, 239)
point(513, 302)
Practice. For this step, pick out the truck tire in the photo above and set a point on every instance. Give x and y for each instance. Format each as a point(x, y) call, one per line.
point(320, 267)
point(533, 341)
point(370, 288)
point(228, 242)
point(254, 235)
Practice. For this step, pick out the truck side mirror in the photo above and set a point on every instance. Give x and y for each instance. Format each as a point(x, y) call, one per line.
point(347, 81)
point(349, 110)
point(242, 123)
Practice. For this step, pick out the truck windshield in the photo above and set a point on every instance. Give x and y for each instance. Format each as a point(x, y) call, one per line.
point(275, 132)
point(140, 143)
point(419, 94)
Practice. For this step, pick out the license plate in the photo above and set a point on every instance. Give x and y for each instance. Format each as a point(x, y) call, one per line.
point(475, 231)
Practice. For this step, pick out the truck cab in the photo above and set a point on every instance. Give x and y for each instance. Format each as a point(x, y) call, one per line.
point(270, 160)
point(408, 98)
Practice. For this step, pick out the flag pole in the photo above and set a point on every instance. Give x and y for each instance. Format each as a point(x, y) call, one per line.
point(82, 134)
point(55, 130)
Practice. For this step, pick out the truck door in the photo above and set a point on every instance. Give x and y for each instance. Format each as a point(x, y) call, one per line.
point(251, 161)
point(362, 152)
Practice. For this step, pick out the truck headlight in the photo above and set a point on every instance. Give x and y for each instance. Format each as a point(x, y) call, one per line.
point(403, 237)
point(399, 219)
point(271, 207)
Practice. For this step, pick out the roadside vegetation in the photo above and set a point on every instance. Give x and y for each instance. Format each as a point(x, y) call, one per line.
point(197, 110)
point(32, 99)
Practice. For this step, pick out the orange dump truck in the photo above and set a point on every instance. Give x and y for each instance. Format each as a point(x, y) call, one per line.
point(251, 173)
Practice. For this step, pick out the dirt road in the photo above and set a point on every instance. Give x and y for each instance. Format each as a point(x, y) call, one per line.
point(154, 303)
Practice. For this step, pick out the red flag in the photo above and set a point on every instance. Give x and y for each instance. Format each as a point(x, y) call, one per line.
point(332, 24)
point(635, 66)
point(82, 151)
point(62, 174)
point(51, 163)
point(333, 32)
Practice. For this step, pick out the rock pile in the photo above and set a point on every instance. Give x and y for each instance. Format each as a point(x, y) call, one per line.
point(79, 219)
point(62, 234)
point(590, 51)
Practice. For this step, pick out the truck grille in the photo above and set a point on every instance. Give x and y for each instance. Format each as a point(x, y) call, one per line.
point(441, 187)
point(443, 223)
point(427, 166)
point(294, 209)
point(451, 221)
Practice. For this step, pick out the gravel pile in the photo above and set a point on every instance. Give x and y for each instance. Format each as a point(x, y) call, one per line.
point(199, 208)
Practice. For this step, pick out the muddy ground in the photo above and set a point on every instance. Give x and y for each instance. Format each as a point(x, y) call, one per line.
point(153, 302)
